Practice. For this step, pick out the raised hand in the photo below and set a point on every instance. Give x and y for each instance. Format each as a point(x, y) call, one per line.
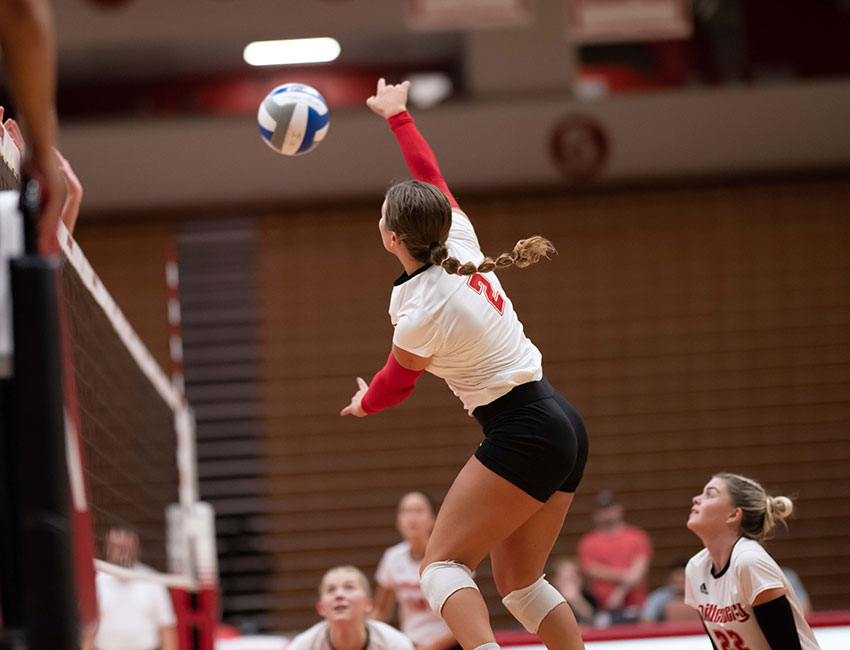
point(14, 132)
point(73, 193)
point(47, 169)
point(389, 99)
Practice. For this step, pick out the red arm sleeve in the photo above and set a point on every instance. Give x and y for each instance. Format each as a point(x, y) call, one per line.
point(391, 385)
point(418, 155)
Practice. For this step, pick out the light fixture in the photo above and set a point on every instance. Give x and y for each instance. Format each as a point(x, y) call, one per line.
point(291, 51)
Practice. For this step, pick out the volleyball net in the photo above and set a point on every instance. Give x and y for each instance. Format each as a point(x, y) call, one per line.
point(135, 428)
point(95, 439)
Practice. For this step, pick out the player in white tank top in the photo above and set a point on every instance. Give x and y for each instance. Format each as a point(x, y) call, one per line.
point(742, 596)
point(452, 318)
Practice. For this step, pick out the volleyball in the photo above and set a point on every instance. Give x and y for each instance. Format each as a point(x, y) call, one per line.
point(293, 119)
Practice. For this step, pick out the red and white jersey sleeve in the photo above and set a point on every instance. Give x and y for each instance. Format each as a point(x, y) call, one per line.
point(466, 325)
point(399, 573)
point(725, 602)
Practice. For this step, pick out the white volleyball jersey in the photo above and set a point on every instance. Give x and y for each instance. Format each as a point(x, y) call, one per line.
point(465, 324)
point(725, 601)
point(399, 573)
point(132, 612)
point(381, 637)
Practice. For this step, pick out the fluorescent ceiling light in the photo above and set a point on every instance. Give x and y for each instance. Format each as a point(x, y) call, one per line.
point(295, 50)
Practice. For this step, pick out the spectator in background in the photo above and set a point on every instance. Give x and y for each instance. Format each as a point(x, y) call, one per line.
point(134, 614)
point(73, 188)
point(398, 578)
point(28, 43)
point(799, 590)
point(345, 604)
point(615, 556)
point(667, 603)
point(570, 582)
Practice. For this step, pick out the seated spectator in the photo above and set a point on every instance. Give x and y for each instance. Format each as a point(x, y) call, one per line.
point(677, 610)
point(398, 578)
point(134, 614)
point(615, 556)
point(661, 604)
point(345, 602)
point(569, 581)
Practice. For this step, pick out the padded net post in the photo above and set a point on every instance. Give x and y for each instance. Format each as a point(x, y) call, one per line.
point(41, 497)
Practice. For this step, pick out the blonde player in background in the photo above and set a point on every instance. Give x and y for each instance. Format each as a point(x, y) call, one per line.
point(345, 604)
point(29, 52)
point(741, 594)
point(398, 578)
point(452, 317)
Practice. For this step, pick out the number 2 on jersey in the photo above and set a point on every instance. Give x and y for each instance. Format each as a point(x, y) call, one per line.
point(481, 285)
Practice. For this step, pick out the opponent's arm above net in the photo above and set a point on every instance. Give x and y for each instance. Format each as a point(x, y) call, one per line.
point(390, 102)
point(29, 52)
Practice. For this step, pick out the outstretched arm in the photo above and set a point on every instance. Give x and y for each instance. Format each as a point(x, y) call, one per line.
point(391, 385)
point(29, 51)
point(390, 102)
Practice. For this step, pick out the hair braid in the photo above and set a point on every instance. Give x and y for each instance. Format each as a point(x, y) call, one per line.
point(525, 253)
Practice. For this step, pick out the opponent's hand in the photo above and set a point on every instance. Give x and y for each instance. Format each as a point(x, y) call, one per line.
point(44, 167)
point(73, 193)
point(354, 407)
point(389, 99)
point(14, 132)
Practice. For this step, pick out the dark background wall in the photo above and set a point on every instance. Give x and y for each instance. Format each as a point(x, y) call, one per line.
point(696, 329)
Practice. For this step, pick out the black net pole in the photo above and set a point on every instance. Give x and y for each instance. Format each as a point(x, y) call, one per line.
point(41, 491)
point(42, 472)
point(11, 581)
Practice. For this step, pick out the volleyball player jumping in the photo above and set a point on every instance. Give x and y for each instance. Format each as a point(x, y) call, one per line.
point(452, 318)
point(743, 597)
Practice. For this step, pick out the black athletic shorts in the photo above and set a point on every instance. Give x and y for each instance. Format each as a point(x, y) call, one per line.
point(534, 438)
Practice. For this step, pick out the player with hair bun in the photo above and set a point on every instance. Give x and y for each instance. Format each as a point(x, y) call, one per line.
point(741, 594)
point(452, 317)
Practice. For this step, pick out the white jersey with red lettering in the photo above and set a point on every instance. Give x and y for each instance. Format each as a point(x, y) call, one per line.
point(379, 636)
point(725, 600)
point(465, 324)
point(398, 571)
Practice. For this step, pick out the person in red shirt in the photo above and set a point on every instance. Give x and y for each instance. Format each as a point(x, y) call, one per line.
point(615, 557)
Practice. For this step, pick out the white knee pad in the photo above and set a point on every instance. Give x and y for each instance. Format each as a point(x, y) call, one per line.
point(530, 604)
point(440, 580)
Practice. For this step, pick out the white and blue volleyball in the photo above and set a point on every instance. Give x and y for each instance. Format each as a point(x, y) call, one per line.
point(293, 119)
